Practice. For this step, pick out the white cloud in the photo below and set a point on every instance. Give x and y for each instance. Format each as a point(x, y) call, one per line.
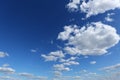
point(71, 63)
point(49, 57)
point(33, 50)
point(40, 78)
point(32, 76)
point(94, 39)
point(8, 78)
point(5, 65)
point(93, 62)
point(113, 67)
point(53, 56)
point(94, 7)
point(57, 74)
point(3, 54)
point(67, 60)
point(65, 35)
point(7, 70)
point(61, 67)
point(28, 75)
point(73, 5)
point(108, 17)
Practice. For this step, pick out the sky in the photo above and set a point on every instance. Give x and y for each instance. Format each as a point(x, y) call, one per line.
point(59, 40)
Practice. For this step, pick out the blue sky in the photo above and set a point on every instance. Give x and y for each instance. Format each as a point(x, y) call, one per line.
point(59, 40)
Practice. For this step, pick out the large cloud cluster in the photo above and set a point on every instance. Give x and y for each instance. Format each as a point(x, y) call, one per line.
point(94, 39)
point(95, 7)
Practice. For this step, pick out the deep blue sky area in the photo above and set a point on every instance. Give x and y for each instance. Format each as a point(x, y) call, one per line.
point(30, 28)
point(31, 23)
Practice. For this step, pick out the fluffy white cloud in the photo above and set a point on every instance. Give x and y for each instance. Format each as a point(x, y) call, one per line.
point(113, 67)
point(53, 56)
point(94, 39)
point(61, 67)
point(66, 34)
point(93, 62)
point(3, 54)
point(95, 7)
point(73, 5)
point(7, 70)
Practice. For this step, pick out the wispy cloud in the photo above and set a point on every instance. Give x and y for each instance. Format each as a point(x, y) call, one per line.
point(3, 54)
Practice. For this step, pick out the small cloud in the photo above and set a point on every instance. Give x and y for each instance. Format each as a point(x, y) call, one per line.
point(61, 67)
point(73, 5)
point(3, 54)
point(113, 67)
point(32, 76)
point(108, 17)
point(93, 62)
point(57, 74)
point(28, 75)
point(33, 50)
point(7, 70)
point(5, 65)
point(53, 56)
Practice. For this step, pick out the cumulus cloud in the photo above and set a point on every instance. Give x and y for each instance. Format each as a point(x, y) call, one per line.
point(53, 56)
point(3, 54)
point(93, 39)
point(95, 7)
point(61, 67)
point(73, 5)
point(66, 34)
point(7, 70)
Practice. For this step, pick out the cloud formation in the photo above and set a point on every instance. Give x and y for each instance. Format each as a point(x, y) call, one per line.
point(95, 7)
point(73, 5)
point(93, 39)
point(7, 70)
point(61, 67)
point(53, 56)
